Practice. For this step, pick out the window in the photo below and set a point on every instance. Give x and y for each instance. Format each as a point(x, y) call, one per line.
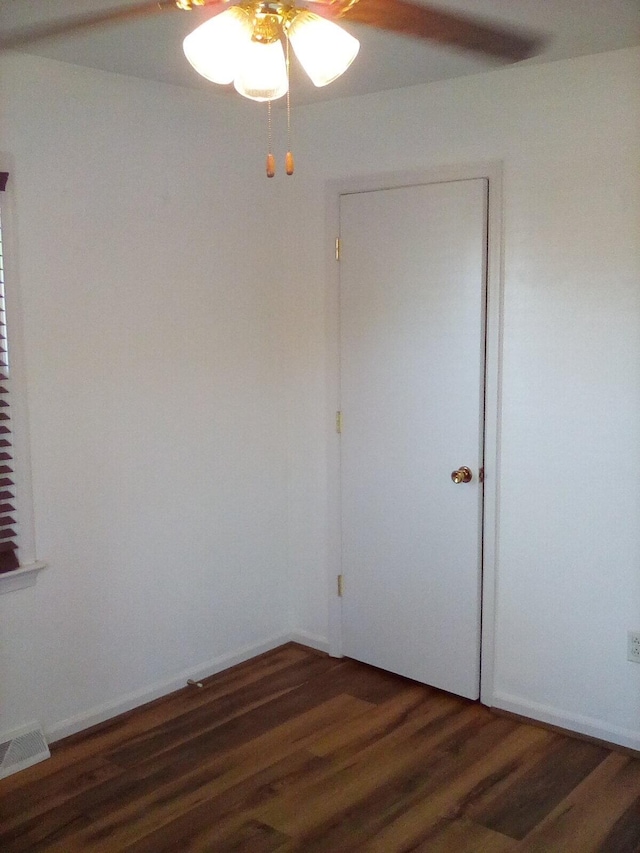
point(18, 565)
point(8, 536)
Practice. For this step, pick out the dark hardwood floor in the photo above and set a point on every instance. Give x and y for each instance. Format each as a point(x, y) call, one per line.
point(295, 751)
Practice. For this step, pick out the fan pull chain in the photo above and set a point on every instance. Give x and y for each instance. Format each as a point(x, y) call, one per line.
point(271, 160)
point(288, 160)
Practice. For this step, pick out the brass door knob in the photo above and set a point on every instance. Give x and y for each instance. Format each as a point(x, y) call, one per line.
point(462, 475)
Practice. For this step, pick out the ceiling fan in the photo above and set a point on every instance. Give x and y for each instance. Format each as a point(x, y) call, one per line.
point(247, 41)
point(397, 16)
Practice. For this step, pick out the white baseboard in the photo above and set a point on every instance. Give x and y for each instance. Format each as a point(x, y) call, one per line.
point(321, 644)
point(572, 722)
point(70, 726)
point(502, 701)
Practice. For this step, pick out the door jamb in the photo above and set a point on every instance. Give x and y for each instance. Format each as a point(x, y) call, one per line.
point(493, 172)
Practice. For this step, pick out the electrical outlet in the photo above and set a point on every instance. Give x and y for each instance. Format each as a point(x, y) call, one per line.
point(633, 646)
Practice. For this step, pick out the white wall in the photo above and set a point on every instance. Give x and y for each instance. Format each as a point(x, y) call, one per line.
point(568, 579)
point(152, 329)
point(178, 364)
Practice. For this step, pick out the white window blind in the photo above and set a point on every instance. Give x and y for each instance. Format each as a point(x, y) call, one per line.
point(8, 520)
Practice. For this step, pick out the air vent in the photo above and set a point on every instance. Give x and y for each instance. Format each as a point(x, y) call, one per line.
point(21, 749)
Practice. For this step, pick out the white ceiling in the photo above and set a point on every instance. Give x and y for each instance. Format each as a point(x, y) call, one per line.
point(152, 48)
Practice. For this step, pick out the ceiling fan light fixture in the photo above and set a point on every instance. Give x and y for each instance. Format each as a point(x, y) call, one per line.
point(262, 71)
point(215, 47)
point(324, 49)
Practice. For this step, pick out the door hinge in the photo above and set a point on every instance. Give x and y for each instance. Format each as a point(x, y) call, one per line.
point(338, 248)
point(340, 586)
point(339, 423)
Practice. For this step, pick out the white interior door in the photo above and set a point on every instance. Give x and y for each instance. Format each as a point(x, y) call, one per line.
point(412, 306)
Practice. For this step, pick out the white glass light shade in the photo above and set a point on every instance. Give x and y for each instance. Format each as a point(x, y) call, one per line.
point(215, 47)
point(324, 49)
point(262, 72)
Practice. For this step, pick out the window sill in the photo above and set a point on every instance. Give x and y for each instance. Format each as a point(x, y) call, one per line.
point(20, 578)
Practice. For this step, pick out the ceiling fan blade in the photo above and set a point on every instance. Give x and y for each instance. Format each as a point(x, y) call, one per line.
point(23, 36)
point(429, 22)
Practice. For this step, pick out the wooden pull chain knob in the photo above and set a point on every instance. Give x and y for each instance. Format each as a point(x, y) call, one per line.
point(271, 165)
point(288, 163)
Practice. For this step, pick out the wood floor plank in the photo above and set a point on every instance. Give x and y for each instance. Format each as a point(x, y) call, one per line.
point(436, 719)
point(54, 790)
point(625, 833)
point(451, 790)
point(220, 815)
point(296, 752)
point(398, 791)
point(463, 836)
point(40, 834)
point(414, 703)
point(524, 799)
point(584, 819)
point(341, 738)
point(236, 730)
point(218, 711)
point(123, 819)
point(365, 728)
point(251, 837)
point(225, 810)
point(373, 780)
point(362, 681)
point(99, 738)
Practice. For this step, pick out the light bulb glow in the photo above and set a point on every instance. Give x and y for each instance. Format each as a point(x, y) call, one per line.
point(215, 47)
point(262, 74)
point(324, 49)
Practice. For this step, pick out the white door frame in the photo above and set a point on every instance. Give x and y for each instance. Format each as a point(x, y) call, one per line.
point(492, 171)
